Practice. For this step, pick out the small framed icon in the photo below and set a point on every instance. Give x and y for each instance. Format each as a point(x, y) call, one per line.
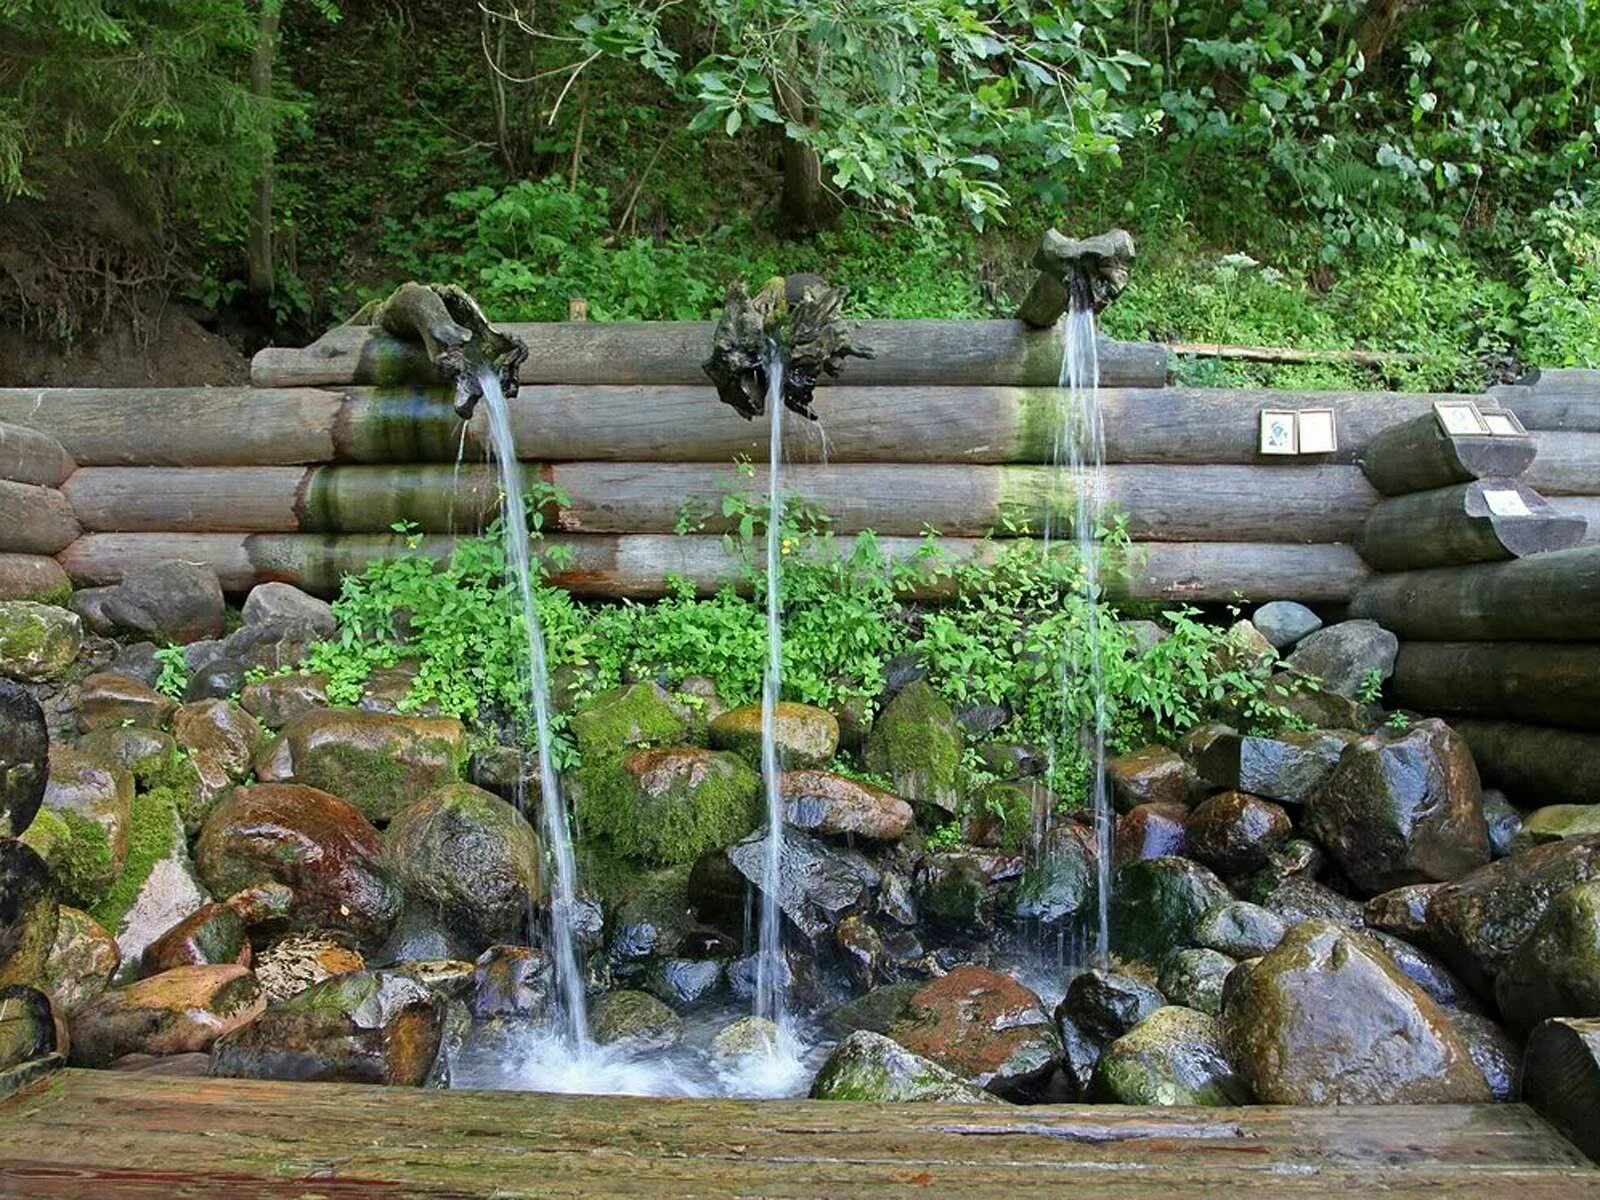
point(1315, 431)
point(1502, 422)
point(1279, 431)
point(1460, 418)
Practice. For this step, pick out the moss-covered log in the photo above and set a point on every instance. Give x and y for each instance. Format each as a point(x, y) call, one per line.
point(30, 456)
point(1454, 525)
point(1535, 764)
point(1545, 683)
point(1159, 503)
point(34, 519)
point(638, 565)
point(1546, 597)
point(1417, 455)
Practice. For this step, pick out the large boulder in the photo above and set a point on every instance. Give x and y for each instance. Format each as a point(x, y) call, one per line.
point(1107, 1005)
point(111, 701)
point(1234, 833)
point(221, 740)
point(171, 601)
point(1151, 775)
point(1240, 929)
point(84, 827)
point(918, 744)
point(377, 762)
point(360, 1027)
point(669, 805)
point(1195, 979)
point(467, 860)
point(803, 736)
point(960, 892)
point(24, 757)
point(38, 642)
point(1151, 831)
point(818, 883)
point(868, 1066)
point(176, 1012)
point(270, 603)
point(636, 1022)
point(1288, 767)
point(1403, 808)
point(985, 1027)
point(28, 914)
point(288, 967)
point(1346, 657)
point(1284, 622)
point(1327, 1018)
point(1174, 1056)
point(1555, 972)
point(831, 805)
point(638, 714)
point(1557, 823)
point(1156, 905)
point(323, 849)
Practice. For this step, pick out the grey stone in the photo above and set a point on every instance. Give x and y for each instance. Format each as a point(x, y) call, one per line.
point(1283, 622)
point(1343, 656)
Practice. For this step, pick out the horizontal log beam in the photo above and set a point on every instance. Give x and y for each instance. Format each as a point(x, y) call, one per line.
point(638, 565)
point(1534, 765)
point(1272, 503)
point(1467, 523)
point(32, 577)
point(34, 519)
point(1568, 464)
point(28, 455)
point(1555, 399)
point(668, 352)
point(1546, 597)
point(1544, 683)
point(1417, 455)
point(1587, 507)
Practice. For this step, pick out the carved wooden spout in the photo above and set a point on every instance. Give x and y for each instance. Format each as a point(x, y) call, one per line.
point(1097, 268)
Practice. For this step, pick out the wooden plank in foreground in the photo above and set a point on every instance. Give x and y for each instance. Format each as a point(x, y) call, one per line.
point(117, 1136)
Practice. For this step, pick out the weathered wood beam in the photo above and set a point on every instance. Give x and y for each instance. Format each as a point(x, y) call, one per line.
point(1545, 597)
point(1454, 525)
point(1555, 399)
point(1417, 455)
point(30, 456)
point(1587, 507)
point(638, 565)
point(1269, 503)
point(34, 519)
point(1568, 464)
point(1534, 764)
point(1544, 683)
point(1561, 1078)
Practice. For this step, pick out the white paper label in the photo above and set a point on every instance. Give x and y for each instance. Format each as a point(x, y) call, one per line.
point(1506, 503)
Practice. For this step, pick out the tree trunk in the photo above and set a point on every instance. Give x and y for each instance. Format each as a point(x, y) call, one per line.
point(802, 206)
point(1378, 21)
point(263, 281)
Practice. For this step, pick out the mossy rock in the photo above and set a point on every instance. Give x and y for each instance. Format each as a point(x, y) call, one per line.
point(28, 914)
point(918, 743)
point(37, 641)
point(1158, 903)
point(668, 806)
point(635, 715)
point(802, 736)
point(1173, 1057)
point(868, 1066)
point(83, 829)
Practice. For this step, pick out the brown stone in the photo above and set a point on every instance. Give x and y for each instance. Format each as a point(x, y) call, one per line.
point(277, 700)
point(175, 1012)
point(1233, 833)
point(804, 736)
point(984, 1026)
point(288, 967)
point(1152, 775)
point(824, 803)
point(212, 934)
point(221, 739)
point(106, 700)
point(82, 960)
point(1151, 831)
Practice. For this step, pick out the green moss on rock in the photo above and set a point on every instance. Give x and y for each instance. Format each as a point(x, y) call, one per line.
point(153, 835)
point(37, 641)
point(78, 850)
point(668, 806)
point(917, 742)
point(635, 715)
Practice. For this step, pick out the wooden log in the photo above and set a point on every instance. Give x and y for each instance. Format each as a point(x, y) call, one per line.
point(1544, 683)
point(1534, 764)
point(30, 456)
point(34, 519)
point(33, 577)
point(1454, 525)
point(638, 565)
point(1554, 399)
point(1293, 354)
point(1561, 1078)
point(1159, 503)
point(1568, 464)
point(667, 352)
point(1546, 597)
point(1587, 507)
point(1417, 455)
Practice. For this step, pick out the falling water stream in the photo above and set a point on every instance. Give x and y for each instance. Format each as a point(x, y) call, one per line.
point(770, 992)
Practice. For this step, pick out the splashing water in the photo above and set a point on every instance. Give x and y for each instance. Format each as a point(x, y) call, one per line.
point(573, 1017)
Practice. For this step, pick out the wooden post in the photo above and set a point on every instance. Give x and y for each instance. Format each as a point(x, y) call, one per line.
point(1418, 455)
point(1561, 1078)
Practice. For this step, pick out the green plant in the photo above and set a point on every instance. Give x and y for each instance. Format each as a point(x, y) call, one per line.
point(1370, 689)
point(174, 678)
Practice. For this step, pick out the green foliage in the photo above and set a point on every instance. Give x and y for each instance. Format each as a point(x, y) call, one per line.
point(669, 823)
point(1370, 689)
point(173, 681)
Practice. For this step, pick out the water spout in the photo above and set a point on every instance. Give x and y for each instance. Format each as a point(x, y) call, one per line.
point(771, 998)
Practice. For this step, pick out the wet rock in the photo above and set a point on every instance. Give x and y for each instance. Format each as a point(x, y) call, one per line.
point(983, 1026)
point(1555, 972)
point(28, 1031)
point(1195, 978)
point(1288, 768)
point(375, 762)
point(669, 805)
point(868, 1066)
point(1503, 820)
point(1558, 823)
point(362, 1027)
point(743, 1040)
point(171, 601)
point(1303, 697)
point(131, 747)
point(638, 714)
point(388, 690)
point(1403, 910)
point(830, 805)
point(1244, 648)
point(158, 887)
point(277, 700)
point(877, 1011)
point(687, 983)
point(1157, 903)
point(1234, 833)
point(316, 844)
point(1427, 972)
point(214, 934)
point(288, 967)
point(917, 743)
point(38, 642)
point(1240, 929)
point(1151, 831)
point(1107, 1005)
point(82, 830)
point(959, 892)
point(1477, 922)
point(83, 959)
point(1493, 1051)
point(1301, 898)
point(1346, 656)
point(804, 736)
point(217, 680)
point(1403, 808)
point(138, 662)
point(1062, 881)
point(513, 981)
point(861, 949)
point(107, 700)
point(466, 859)
point(176, 1012)
point(981, 719)
point(1294, 858)
point(635, 1021)
point(221, 740)
point(818, 883)
point(1080, 1052)
point(1174, 1056)
point(272, 603)
point(1283, 622)
point(1327, 1018)
point(896, 899)
point(24, 757)
point(1153, 775)
point(510, 772)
